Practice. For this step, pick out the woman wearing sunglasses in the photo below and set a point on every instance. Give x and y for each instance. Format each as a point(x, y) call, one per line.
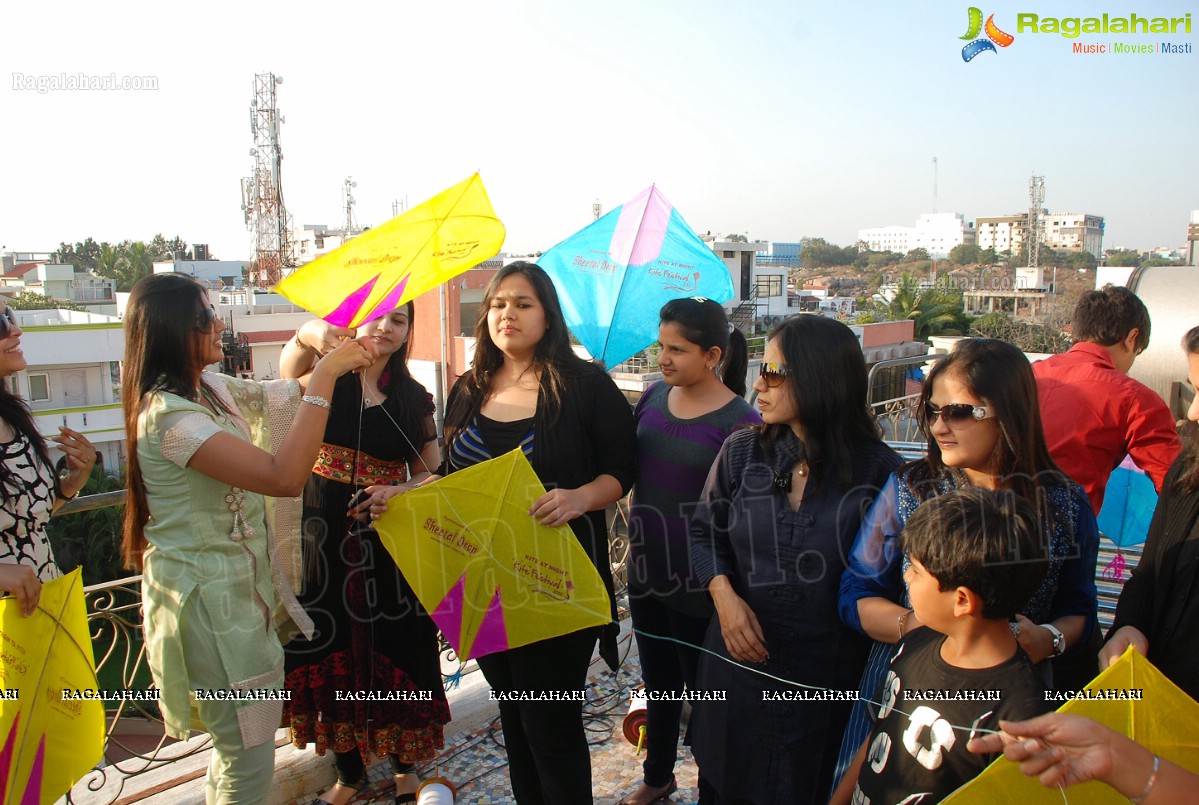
point(777, 515)
point(204, 452)
point(979, 411)
point(681, 424)
point(29, 488)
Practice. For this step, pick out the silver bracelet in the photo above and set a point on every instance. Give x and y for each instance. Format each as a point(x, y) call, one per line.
point(1139, 798)
point(319, 402)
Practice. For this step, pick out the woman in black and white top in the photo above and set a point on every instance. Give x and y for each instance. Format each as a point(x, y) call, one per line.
point(29, 490)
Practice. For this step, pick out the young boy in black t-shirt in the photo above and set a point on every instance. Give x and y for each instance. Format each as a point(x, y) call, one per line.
point(976, 556)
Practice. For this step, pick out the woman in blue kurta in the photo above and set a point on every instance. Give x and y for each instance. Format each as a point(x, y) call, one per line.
point(204, 451)
point(979, 410)
point(776, 517)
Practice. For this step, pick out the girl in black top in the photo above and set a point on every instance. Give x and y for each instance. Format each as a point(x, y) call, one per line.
point(527, 388)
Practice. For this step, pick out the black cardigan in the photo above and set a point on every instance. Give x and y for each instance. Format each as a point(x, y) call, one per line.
point(1144, 602)
point(594, 434)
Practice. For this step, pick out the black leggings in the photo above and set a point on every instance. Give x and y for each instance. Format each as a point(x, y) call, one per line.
point(351, 767)
point(548, 759)
point(666, 666)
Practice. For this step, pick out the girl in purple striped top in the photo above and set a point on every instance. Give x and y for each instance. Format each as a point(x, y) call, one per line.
point(681, 424)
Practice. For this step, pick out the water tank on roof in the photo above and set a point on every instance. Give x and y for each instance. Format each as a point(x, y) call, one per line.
point(1172, 295)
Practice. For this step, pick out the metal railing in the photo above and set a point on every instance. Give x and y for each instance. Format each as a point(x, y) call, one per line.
point(135, 741)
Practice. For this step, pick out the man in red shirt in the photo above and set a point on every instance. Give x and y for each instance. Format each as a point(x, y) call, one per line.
point(1092, 411)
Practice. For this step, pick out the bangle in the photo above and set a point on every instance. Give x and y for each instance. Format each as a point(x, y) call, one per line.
point(1059, 639)
point(903, 622)
point(319, 402)
point(301, 344)
point(1139, 798)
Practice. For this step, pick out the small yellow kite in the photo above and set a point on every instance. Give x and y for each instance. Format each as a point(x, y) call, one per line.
point(1165, 720)
point(384, 267)
point(52, 734)
point(491, 576)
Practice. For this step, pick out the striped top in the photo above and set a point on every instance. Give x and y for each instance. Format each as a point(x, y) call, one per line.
point(474, 443)
point(674, 457)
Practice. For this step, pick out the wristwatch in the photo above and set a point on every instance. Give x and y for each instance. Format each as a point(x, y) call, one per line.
point(1059, 639)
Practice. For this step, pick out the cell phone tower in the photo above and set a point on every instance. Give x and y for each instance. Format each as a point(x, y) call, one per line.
point(1033, 276)
point(262, 193)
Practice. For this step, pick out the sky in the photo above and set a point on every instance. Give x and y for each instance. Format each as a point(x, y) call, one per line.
point(776, 120)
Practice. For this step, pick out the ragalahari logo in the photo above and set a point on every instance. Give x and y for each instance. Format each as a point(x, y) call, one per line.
point(993, 35)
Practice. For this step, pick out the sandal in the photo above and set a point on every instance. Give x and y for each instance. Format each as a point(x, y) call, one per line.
point(354, 787)
point(667, 792)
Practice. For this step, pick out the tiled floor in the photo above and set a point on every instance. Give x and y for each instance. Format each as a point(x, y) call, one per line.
point(475, 761)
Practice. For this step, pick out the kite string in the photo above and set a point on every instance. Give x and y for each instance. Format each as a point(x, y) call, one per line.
point(445, 498)
point(968, 730)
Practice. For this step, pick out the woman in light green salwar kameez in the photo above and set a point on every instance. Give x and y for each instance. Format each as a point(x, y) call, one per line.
point(204, 452)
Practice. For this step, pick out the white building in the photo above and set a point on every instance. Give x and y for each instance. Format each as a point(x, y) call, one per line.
point(73, 376)
point(763, 287)
point(1003, 233)
point(1193, 239)
point(60, 281)
point(1061, 231)
point(935, 232)
point(213, 273)
point(887, 238)
point(1074, 232)
point(938, 232)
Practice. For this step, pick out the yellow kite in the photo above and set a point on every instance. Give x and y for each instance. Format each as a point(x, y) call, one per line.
point(491, 576)
point(384, 267)
point(1164, 720)
point(52, 734)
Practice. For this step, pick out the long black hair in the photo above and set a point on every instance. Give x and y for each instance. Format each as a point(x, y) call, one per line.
point(164, 315)
point(1000, 375)
point(406, 401)
point(826, 374)
point(705, 324)
point(553, 358)
point(14, 412)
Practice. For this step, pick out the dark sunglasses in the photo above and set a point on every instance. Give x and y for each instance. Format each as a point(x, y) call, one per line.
point(773, 374)
point(205, 319)
point(956, 414)
point(7, 322)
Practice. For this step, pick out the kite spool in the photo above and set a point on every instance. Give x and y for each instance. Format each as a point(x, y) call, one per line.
point(435, 791)
point(635, 720)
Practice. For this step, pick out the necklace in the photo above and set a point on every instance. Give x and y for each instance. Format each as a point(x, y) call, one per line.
point(370, 394)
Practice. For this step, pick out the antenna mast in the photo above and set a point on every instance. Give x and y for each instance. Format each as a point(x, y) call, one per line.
point(262, 193)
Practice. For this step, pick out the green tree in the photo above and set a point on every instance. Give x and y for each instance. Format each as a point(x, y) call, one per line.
point(28, 300)
point(82, 255)
point(126, 263)
point(1026, 335)
point(162, 250)
point(964, 254)
point(92, 538)
point(936, 310)
point(919, 253)
point(819, 253)
point(1077, 260)
point(987, 257)
point(1124, 257)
